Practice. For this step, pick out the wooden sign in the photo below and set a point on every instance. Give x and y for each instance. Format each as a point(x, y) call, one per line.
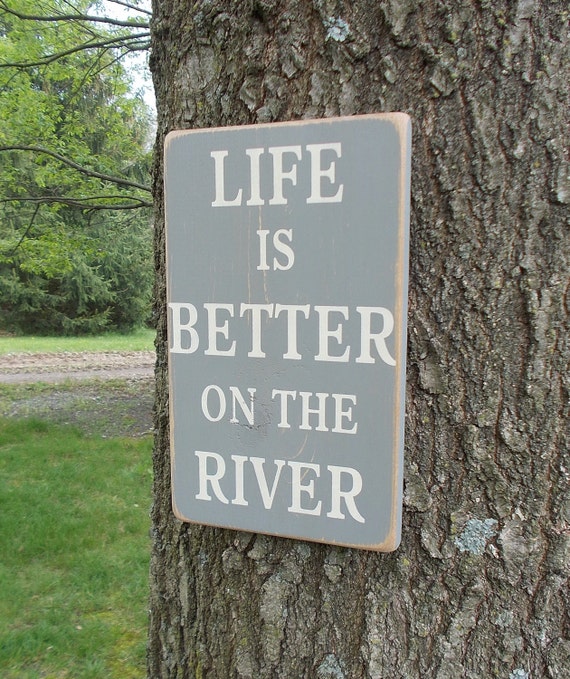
point(287, 250)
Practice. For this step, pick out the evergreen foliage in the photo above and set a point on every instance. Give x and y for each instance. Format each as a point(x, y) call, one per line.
point(75, 230)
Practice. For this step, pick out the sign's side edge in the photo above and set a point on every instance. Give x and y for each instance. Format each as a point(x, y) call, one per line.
point(402, 125)
point(167, 144)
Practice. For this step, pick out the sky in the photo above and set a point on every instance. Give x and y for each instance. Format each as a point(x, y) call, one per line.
point(137, 62)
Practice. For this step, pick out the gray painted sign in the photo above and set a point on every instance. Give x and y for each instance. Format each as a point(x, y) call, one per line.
point(287, 249)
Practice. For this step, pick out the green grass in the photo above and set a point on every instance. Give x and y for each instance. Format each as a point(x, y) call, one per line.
point(74, 553)
point(139, 340)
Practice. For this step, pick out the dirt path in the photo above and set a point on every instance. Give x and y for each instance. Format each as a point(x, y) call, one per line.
point(107, 393)
point(85, 365)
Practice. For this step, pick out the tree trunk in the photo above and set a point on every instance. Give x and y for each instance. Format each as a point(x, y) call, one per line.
point(479, 585)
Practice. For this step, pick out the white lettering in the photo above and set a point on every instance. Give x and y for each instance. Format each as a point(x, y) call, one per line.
point(237, 397)
point(213, 479)
point(255, 196)
point(178, 328)
point(279, 174)
point(266, 494)
point(279, 245)
point(379, 338)
point(284, 423)
point(319, 410)
point(291, 311)
point(376, 325)
point(308, 489)
point(221, 403)
point(284, 249)
point(325, 333)
point(263, 266)
point(340, 414)
point(256, 309)
point(319, 175)
point(299, 471)
point(239, 461)
point(214, 330)
point(219, 182)
point(346, 495)
point(317, 172)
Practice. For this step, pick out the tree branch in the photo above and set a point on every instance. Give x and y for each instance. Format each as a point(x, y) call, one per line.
point(119, 181)
point(73, 17)
point(129, 6)
point(26, 232)
point(84, 203)
point(119, 41)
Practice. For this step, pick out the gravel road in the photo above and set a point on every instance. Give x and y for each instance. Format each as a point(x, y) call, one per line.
point(56, 368)
point(108, 393)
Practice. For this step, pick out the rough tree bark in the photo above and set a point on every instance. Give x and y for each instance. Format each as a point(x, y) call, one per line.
point(479, 586)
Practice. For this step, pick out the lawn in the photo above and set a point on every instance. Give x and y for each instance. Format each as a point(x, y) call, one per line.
point(74, 552)
point(139, 340)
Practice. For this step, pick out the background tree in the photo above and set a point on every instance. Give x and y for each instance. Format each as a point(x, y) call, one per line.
point(479, 586)
point(73, 171)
